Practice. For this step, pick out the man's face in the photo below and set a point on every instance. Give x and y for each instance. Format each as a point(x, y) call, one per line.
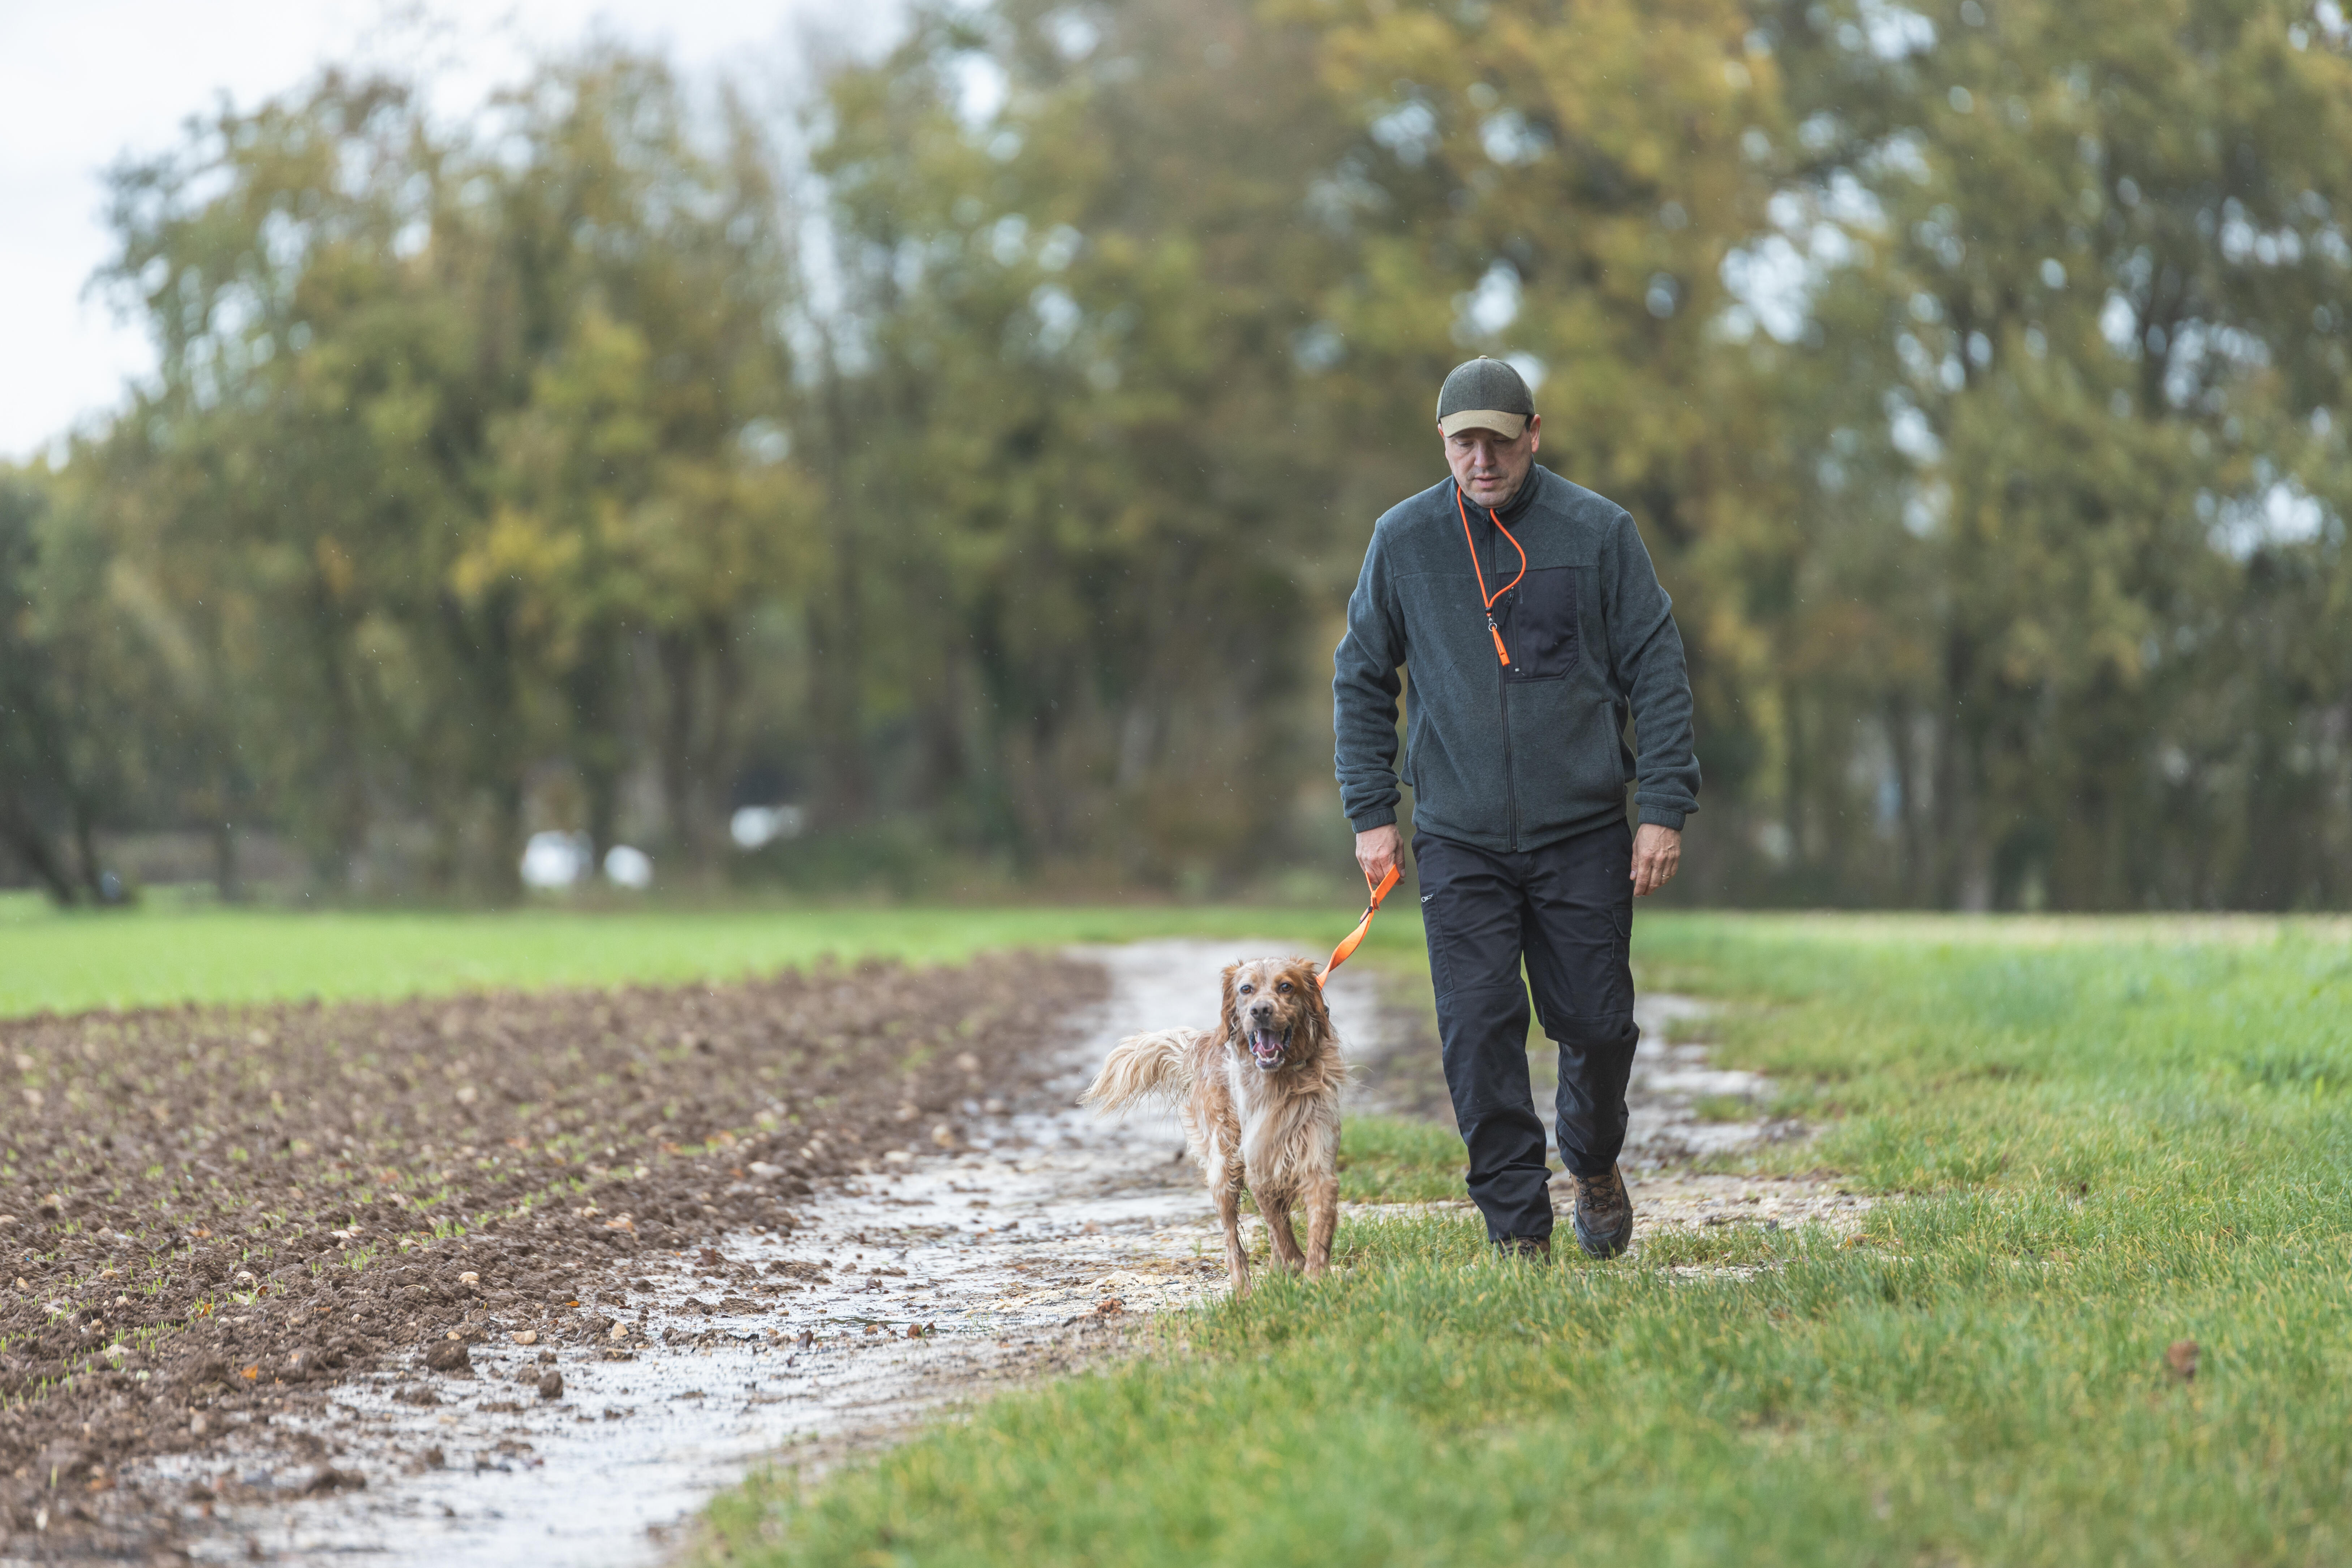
point(1487, 467)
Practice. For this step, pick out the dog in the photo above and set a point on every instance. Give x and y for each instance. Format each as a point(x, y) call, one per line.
point(1259, 1098)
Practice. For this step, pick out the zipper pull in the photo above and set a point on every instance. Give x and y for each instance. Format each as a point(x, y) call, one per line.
point(1496, 633)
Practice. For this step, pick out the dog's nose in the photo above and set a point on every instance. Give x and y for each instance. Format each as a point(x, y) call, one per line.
point(1261, 1009)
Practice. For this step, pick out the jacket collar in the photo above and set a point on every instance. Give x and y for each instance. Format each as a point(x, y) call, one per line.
point(1511, 510)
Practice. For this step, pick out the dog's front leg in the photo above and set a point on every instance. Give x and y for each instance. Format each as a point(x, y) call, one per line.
point(1275, 1208)
point(1229, 1210)
point(1322, 1219)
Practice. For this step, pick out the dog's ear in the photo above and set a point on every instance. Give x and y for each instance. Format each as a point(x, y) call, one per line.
point(1229, 1018)
point(1319, 1006)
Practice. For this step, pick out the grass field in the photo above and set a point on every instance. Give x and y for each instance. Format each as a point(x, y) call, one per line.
point(70, 962)
point(2095, 1140)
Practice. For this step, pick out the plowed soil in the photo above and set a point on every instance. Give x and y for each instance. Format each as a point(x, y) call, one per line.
point(210, 1216)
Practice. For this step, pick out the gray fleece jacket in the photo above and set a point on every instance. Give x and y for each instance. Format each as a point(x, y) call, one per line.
point(1512, 757)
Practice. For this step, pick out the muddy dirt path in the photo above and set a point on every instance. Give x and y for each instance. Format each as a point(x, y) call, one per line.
point(618, 1246)
point(1685, 1115)
point(214, 1222)
point(926, 1280)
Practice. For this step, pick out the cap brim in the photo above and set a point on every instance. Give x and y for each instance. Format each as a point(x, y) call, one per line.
point(1509, 426)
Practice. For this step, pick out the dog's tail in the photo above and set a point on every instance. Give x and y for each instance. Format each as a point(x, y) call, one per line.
point(1143, 1066)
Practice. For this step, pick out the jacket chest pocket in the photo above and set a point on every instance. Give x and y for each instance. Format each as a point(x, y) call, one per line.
point(1540, 620)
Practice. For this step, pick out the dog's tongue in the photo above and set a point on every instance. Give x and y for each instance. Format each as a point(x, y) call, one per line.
point(1265, 1045)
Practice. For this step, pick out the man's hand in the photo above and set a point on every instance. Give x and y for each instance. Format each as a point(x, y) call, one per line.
point(1657, 855)
point(1378, 851)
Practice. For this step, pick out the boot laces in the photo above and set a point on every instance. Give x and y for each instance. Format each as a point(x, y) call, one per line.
point(1602, 1191)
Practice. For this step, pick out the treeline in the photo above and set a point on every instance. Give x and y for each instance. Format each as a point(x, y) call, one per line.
point(981, 459)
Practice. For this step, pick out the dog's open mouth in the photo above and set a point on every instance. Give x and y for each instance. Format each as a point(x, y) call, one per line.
point(1267, 1047)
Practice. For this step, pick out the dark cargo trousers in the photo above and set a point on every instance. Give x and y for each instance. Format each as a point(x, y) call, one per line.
point(1567, 910)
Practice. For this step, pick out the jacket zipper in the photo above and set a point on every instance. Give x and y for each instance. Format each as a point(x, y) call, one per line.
point(1503, 692)
point(1510, 790)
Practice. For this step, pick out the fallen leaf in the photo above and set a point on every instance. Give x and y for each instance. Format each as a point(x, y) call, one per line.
point(2180, 1359)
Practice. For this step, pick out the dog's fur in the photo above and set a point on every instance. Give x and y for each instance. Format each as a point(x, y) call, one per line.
point(1272, 1128)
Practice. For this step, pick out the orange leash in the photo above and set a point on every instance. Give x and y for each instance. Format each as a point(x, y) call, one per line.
point(1492, 629)
point(1355, 938)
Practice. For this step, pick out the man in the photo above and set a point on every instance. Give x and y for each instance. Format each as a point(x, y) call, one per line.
point(1532, 624)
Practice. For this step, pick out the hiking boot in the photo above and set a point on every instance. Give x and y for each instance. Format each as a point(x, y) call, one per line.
point(1529, 1248)
point(1604, 1214)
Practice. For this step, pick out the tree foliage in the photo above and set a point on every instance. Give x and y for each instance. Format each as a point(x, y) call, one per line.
point(989, 476)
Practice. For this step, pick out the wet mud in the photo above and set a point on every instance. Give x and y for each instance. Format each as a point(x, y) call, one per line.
point(222, 1231)
point(1689, 1121)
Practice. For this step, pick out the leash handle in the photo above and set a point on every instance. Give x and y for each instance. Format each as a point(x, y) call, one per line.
point(1354, 939)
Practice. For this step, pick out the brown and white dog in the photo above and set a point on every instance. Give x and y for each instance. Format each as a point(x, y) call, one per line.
point(1259, 1097)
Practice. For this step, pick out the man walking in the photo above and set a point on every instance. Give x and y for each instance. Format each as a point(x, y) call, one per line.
point(1530, 620)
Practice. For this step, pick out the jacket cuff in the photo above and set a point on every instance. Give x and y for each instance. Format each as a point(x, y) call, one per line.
point(1662, 817)
point(1377, 816)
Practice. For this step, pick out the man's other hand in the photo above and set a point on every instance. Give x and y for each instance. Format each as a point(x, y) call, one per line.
point(1377, 850)
point(1657, 855)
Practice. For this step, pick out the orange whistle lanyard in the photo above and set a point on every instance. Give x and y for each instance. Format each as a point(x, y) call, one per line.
point(1489, 599)
point(1355, 938)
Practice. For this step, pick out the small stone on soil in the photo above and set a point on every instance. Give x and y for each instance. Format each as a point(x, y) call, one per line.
point(331, 1480)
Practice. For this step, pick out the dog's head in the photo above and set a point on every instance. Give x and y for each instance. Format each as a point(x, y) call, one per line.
point(1274, 1010)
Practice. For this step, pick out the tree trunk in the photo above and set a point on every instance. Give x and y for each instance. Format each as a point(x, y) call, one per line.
point(228, 886)
point(677, 743)
point(85, 841)
point(33, 851)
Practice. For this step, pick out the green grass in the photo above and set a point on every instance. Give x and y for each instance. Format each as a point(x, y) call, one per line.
point(1385, 1160)
point(2092, 1140)
point(156, 956)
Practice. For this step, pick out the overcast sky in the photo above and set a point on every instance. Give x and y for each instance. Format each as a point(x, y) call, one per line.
point(82, 83)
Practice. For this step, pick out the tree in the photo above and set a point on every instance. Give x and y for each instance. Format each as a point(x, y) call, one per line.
point(2096, 249)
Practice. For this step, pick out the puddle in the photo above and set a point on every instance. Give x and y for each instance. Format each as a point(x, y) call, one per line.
point(1683, 1109)
point(913, 1286)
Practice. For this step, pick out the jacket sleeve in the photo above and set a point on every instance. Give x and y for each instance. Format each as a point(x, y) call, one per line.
point(1364, 689)
point(1646, 659)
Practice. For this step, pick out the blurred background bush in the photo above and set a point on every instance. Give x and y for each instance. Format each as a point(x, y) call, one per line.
point(974, 455)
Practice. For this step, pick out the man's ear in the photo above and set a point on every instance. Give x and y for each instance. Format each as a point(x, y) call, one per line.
point(1535, 432)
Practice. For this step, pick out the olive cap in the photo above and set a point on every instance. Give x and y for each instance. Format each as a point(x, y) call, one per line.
point(1484, 394)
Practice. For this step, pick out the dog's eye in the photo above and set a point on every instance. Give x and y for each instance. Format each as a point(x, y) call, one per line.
point(1247, 989)
point(1284, 986)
